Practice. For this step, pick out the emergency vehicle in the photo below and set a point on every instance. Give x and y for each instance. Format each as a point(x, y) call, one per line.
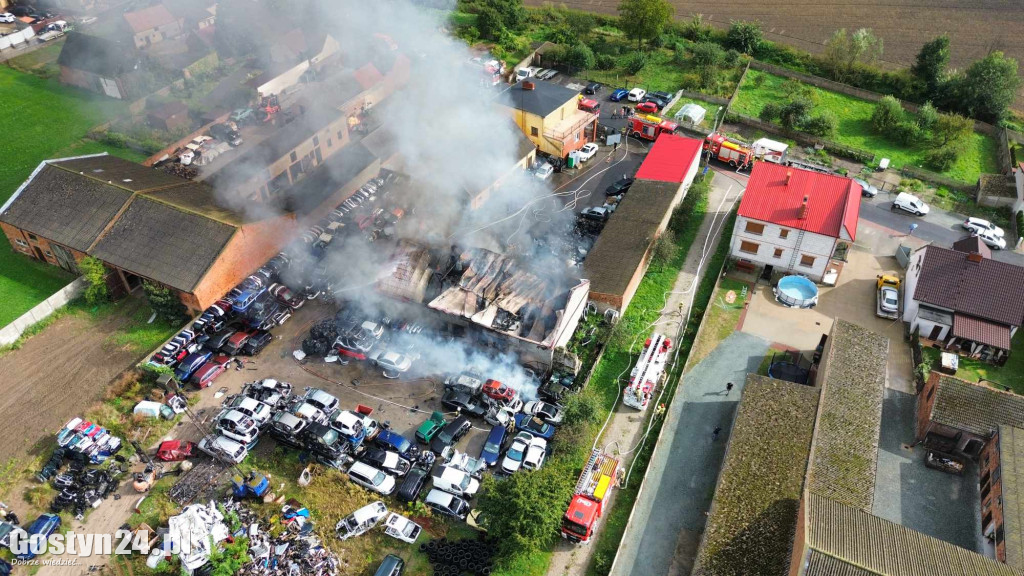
point(649, 369)
point(649, 127)
point(728, 150)
point(593, 488)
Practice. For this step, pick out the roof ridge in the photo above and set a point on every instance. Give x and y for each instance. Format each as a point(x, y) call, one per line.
point(188, 210)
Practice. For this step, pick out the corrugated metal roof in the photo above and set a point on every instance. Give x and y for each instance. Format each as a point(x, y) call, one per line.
point(981, 331)
point(775, 194)
point(1011, 465)
point(974, 408)
point(819, 564)
point(670, 159)
point(845, 449)
point(987, 288)
point(877, 546)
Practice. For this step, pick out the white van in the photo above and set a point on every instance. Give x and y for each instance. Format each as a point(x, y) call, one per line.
point(455, 481)
point(910, 203)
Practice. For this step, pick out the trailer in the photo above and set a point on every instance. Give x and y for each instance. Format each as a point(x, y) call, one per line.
point(647, 373)
point(770, 150)
point(733, 152)
point(648, 127)
point(592, 491)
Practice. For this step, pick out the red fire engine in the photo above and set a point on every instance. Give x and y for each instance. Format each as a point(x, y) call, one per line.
point(592, 490)
point(649, 127)
point(734, 152)
point(647, 373)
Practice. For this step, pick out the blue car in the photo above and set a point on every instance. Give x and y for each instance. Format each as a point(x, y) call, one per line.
point(189, 364)
point(391, 440)
point(492, 447)
point(618, 94)
point(45, 525)
point(535, 426)
point(245, 299)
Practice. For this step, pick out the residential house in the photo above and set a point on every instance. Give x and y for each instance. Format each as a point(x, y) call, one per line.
point(793, 221)
point(196, 15)
point(620, 257)
point(144, 224)
point(964, 300)
point(549, 116)
point(153, 24)
point(170, 116)
point(98, 64)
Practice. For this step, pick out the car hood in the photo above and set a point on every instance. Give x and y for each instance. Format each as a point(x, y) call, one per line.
point(510, 465)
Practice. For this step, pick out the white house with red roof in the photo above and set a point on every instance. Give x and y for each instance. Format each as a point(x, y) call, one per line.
point(792, 220)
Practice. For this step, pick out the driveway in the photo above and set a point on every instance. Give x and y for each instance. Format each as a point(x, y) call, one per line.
point(908, 493)
point(669, 515)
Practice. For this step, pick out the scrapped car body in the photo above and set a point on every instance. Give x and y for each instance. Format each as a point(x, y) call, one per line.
point(361, 521)
point(400, 527)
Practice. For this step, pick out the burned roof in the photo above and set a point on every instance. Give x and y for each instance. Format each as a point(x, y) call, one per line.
point(1011, 465)
point(971, 284)
point(753, 516)
point(845, 448)
point(101, 56)
point(164, 243)
point(845, 541)
point(119, 172)
point(626, 238)
point(974, 408)
point(543, 99)
point(339, 170)
point(65, 207)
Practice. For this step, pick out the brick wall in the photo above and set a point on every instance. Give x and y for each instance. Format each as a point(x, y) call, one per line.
point(925, 401)
point(800, 552)
point(990, 484)
point(27, 244)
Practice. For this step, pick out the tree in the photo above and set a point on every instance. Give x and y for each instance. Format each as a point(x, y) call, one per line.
point(745, 37)
point(771, 112)
point(605, 62)
point(931, 63)
point(664, 250)
point(644, 19)
point(562, 35)
point(511, 12)
point(488, 23)
point(165, 303)
point(989, 87)
point(823, 124)
point(707, 54)
point(906, 133)
point(951, 128)
point(927, 116)
point(635, 62)
point(888, 113)
point(943, 158)
point(525, 510)
point(844, 51)
point(581, 23)
point(793, 114)
point(579, 56)
point(95, 274)
point(695, 29)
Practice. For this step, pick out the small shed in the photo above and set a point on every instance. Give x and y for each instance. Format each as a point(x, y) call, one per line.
point(691, 113)
point(170, 116)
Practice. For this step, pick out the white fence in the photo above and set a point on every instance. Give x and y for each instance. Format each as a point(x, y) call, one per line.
point(10, 333)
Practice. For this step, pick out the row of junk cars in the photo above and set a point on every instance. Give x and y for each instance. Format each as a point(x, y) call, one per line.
point(239, 324)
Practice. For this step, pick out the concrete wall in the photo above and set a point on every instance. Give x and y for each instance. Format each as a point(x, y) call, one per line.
point(14, 330)
point(817, 245)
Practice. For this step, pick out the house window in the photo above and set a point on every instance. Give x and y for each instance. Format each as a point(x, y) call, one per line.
point(806, 260)
point(749, 247)
point(533, 131)
point(21, 242)
point(316, 140)
point(755, 228)
point(778, 253)
point(329, 142)
point(577, 137)
point(32, 237)
point(784, 233)
point(294, 156)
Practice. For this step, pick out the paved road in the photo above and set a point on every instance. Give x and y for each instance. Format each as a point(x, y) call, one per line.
point(939, 227)
point(669, 515)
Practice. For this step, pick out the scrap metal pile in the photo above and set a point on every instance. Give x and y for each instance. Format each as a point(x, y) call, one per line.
point(80, 488)
point(297, 551)
point(460, 556)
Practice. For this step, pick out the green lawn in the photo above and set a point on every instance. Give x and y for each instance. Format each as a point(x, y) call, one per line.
point(663, 74)
point(721, 318)
point(1010, 374)
point(760, 88)
point(25, 282)
point(41, 62)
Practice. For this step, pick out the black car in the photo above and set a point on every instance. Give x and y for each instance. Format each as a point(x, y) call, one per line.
point(462, 401)
point(592, 88)
point(391, 566)
point(450, 434)
point(663, 96)
point(220, 338)
point(323, 442)
point(386, 460)
point(411, 486)
point(621, 185)
point(256, 343)
point(655, 100)
point(557, 388)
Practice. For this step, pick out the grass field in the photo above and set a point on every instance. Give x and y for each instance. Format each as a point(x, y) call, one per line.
point(721, 318)
point(1010, 374)
point(41, 62)
point(663, 74)
point(760, 88)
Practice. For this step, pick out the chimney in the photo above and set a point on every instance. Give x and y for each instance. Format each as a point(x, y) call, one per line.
point(527, 85)
point(803, 210)
point(789, 176)
point(975, 257)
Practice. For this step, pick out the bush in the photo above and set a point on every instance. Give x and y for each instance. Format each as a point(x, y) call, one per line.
point(635, 62)
point(580, 56)
point(525, 509)
point(943, 158)
point(488, 23)
point(906, 132)
point(96, 274)
point(745, 37)
point(605, 62)
point(927, 116)
point(771, 112)
point(663, 251)
point(794, 114)
point(888, 113)
point(165, 303)
point(823, 124)
point(707, 54)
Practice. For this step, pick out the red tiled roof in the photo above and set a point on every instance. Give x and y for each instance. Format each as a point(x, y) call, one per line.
point(982, 331)
point(972, 244)
point(986, 288)
point(368, 76)
point(670, 159)
point(149, 18)
point(833, 201)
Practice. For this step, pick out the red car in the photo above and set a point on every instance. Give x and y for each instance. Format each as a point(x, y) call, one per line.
point(175, 450)
point(647, 107)
point(234, 344)
point(285, 296)
point(498, 391)
point(208, 372)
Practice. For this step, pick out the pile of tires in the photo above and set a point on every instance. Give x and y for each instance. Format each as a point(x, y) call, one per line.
point(459, 557)
point(321, 338)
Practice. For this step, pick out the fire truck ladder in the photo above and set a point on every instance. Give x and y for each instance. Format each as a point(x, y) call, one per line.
point(648, 359)
point(796, 249)
point(598, 465)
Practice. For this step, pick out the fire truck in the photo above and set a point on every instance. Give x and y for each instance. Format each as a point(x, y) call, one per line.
point(649, 369)
point(734, 152)
point(649, 127)
point(593, 488)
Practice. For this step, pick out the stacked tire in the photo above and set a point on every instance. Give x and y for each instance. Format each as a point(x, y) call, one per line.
point(459, 557)
point(321, 338)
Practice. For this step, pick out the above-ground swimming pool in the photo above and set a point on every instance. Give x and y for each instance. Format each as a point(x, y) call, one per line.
point(796, 292)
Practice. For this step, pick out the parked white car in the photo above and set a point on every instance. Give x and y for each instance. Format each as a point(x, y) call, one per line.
point(636, 94)
point(455, 481)
point(361, 521)
point(535, 454)
point(398, 526)
point(544, 171)
point(979, 225)
point(588, 151)
point(910, 203)
point(224, 449)
point(7, 18)
point(513, 460)
point(258, 411)
point(237, 426)
point(372, 479)
point(991, 240)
